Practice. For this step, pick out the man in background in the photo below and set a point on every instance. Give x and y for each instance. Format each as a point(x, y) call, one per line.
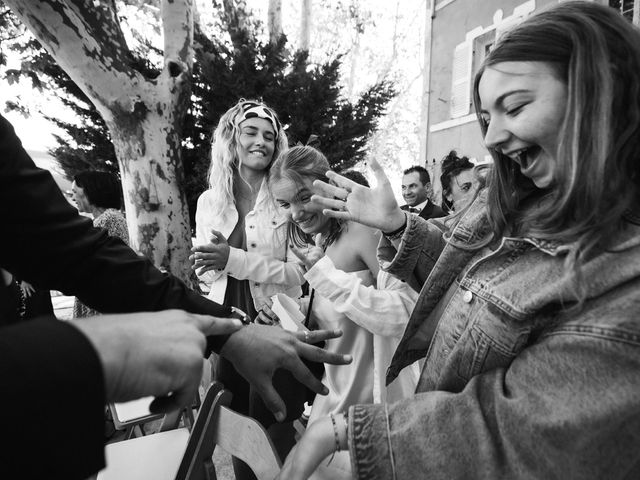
point(416, 189)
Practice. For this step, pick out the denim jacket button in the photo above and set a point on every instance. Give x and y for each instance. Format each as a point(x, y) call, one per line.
point(467, 296)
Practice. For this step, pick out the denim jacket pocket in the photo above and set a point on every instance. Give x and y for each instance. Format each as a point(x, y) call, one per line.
point(491, 341)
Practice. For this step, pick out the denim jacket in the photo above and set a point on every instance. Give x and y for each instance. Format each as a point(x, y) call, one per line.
point(268, 262)
point(514, 385)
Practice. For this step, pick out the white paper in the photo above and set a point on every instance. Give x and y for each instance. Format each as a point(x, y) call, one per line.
point(288, 311)
point(134, 409)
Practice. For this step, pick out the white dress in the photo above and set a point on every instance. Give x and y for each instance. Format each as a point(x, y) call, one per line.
point(348, 384)
point(352, 303)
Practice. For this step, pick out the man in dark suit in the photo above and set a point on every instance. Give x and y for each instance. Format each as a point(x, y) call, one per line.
point(416, 188)
point(55, 377)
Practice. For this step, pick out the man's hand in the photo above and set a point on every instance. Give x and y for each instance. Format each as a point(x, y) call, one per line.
point(257, 351)
point(153, 353)
point(213, 256)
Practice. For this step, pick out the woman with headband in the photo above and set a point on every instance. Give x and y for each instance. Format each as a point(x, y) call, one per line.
point(241, 246)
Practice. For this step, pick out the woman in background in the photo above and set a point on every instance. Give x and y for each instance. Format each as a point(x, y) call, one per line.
point(457, 180)
point(99, 194)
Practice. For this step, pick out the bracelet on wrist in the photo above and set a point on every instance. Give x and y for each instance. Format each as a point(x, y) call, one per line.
point(397, 234)
point(336, 436)
point(343, 433)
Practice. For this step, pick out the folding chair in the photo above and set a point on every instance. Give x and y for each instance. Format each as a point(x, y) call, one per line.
point(132, 416)
point(176, 454)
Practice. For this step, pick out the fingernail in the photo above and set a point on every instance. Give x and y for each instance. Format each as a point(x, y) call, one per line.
point(325, 390)
point(337, 332)
point(280, 416)
point(236, 323)
point(347, 358)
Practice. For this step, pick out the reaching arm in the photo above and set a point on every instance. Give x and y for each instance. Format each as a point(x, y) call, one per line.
point(383, 310)
point(260, 268)
point(542, 417)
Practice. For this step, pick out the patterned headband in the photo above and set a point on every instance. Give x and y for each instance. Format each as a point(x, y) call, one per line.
point(258, 110)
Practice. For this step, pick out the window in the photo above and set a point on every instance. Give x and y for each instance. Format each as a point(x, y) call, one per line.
point(630, 9)
point(469, 55)
point(461, 79)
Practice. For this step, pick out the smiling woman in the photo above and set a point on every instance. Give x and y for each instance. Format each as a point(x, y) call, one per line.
point(241, 249)
point(523, 105)
point(349, 292)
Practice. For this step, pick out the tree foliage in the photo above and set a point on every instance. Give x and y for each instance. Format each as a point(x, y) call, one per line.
point(231, 61)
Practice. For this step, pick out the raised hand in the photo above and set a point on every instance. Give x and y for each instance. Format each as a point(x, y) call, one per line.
point(212, 256)
point(257, 351)
point(347, 200)
point(153, 353)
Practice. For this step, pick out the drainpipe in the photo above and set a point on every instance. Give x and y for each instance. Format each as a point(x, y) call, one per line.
point(426, 83)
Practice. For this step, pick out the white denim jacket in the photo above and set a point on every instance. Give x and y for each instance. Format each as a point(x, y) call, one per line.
point(383, 310)
point(267, 263)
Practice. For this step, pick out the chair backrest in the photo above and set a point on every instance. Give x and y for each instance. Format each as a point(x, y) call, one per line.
point(239, 435)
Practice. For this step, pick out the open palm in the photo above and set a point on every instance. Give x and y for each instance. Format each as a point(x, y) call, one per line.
point(347, 200)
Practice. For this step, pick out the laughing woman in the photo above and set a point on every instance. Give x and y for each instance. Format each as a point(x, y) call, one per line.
point(349, 292)
point(528, 313)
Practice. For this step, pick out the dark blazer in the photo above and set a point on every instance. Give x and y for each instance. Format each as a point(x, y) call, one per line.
point(51, 380)
point(430, 210)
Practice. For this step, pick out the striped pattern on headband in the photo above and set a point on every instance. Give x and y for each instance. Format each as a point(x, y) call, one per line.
point(258, 110)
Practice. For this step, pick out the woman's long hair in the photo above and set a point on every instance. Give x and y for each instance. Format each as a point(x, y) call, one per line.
point(295, 165)
point(224, 155)
point(597, 53)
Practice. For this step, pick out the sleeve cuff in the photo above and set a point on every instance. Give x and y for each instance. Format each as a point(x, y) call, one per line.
point(51, 370)
point(369, 442)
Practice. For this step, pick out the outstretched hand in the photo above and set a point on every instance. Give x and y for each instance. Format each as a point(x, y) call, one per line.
point(153, 353)
point(212, 256)
point(257, 351)
point(346, 200)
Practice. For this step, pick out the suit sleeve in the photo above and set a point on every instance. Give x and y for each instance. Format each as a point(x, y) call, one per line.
point(52, 393)
point(47, 242)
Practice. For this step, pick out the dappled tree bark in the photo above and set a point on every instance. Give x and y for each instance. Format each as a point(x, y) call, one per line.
point(274, 20)
point(143, 114)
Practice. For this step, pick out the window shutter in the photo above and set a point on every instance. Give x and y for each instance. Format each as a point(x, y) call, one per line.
point(461, 79)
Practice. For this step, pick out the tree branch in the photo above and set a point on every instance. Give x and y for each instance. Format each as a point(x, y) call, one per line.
point(85, 39)
point(177, 25)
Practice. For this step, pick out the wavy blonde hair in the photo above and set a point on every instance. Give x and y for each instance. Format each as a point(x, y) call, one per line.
point(225, 160)
point(596, 52)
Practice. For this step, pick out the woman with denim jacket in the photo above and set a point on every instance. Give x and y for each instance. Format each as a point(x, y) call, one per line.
point(528, 315)
point(241, 247)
